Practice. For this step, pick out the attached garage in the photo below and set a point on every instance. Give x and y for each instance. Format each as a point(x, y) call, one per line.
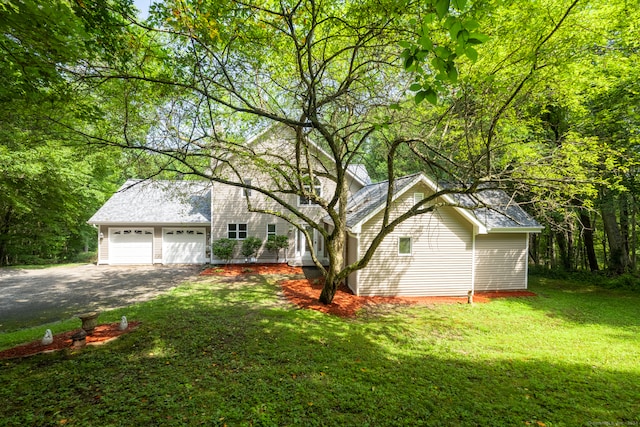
point(130, 245)
point(155, 222)
point(184, 245)
point(501, 261)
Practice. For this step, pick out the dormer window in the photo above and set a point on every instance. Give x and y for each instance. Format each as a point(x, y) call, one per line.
point(247, 191)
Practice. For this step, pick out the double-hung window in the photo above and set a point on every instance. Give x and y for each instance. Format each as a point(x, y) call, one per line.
point(237, 231)
point(271, 231)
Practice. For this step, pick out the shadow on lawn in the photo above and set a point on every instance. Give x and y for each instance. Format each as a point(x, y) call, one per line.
point(232, 354)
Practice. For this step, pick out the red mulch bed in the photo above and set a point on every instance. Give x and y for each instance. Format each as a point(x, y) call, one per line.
point(101, 334)
point(246, 269)
point(305, 294)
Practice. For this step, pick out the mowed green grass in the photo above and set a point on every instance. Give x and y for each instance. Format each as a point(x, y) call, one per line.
point(225, 352)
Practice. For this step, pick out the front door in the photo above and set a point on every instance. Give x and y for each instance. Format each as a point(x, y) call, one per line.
point(303, 246)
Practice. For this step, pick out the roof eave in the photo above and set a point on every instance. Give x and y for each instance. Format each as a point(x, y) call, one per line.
point(148, 224)
point(515, 229)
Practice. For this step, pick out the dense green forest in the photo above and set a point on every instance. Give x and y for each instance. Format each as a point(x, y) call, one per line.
point(540, 98)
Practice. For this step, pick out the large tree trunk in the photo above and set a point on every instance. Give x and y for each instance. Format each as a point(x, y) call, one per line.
point(5, 226)
point(618, 255)
point(587, 234)
point(332, 280)
point(336, 245)
point(563, 248)
point(624, 220)
point(634, 235)
point(534, 249)
point(551, 249)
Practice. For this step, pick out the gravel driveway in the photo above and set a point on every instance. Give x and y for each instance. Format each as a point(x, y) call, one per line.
point(34, 297)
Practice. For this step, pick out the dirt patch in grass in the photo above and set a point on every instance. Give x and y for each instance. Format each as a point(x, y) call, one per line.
point(101, 334)
point(305, 293)
point(246, 269)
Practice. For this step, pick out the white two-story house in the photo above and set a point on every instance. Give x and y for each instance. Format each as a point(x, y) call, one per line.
point(481, 243)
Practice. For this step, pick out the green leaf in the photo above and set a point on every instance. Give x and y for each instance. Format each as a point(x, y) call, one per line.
point(432, 96)
point(478, 36)
point(443, 52)
point(419, 97)
point(453, 75)
point(471, 53)
point(425, 42)
point(463, 36)
point(471, 25)
point(455, 29)
point(395, 106)
point(428, 19)
point(439, 65)
point(459, 4)
point(408, 62)
point(415, 87)
point(421, 55)
point(442, 8)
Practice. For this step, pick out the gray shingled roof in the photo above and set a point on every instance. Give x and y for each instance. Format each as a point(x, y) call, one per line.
point(157, 202)
point(360, 172)
point(371, 197)
point(493, 208)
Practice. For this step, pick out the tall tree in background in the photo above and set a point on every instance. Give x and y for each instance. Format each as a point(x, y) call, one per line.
point(541, 111)
point(49, 184)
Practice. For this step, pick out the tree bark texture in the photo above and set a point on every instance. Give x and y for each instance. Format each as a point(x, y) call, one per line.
point(587, 235)
point(335, 249)
point(618, 255)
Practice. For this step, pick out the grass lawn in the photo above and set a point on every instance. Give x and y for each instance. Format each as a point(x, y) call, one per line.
point(229, 351)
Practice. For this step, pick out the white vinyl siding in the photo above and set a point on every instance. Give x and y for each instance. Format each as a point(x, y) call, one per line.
point(103, 245)
point(501, 262)
point(229, 208)
point(441, 263)
point(352, 256)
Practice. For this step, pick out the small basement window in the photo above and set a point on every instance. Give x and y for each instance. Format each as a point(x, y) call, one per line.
point(404, 246)
point(237, 231)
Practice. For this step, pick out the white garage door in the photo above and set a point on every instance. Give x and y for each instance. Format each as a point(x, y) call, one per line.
point(183, 246)
point(130, 245)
